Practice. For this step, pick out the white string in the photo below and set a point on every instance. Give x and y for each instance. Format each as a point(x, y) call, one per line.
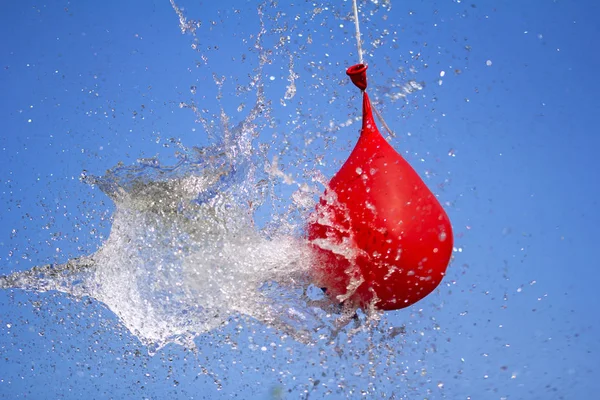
point(381, 120)
point(358, 45)
point(360, 60)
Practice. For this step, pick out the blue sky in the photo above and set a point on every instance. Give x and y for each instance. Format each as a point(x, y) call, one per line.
point(507, 140)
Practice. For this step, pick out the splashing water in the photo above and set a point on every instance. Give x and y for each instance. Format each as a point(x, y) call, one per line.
point(183, 254)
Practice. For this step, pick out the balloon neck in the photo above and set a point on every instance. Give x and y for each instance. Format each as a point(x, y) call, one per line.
point(358, 75)
point(368, 123)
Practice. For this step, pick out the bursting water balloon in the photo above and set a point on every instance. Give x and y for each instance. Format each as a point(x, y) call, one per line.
point(184, 255)
point(383, 238)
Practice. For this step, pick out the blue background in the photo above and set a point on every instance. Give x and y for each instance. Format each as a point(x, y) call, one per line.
point(509, 147)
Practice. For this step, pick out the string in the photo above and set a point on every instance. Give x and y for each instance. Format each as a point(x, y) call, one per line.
point(360, 61)
point(357, 26)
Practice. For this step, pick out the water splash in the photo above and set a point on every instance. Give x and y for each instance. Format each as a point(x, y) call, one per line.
point(184, 256)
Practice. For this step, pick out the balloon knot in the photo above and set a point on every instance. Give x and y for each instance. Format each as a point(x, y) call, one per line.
point(358, 74)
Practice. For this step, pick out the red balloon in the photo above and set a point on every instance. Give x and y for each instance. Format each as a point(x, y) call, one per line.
point(381, 236)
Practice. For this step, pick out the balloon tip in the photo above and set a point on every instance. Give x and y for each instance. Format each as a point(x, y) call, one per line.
point(358, 74)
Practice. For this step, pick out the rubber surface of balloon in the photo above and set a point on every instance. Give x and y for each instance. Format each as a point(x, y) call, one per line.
point(381, 235)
